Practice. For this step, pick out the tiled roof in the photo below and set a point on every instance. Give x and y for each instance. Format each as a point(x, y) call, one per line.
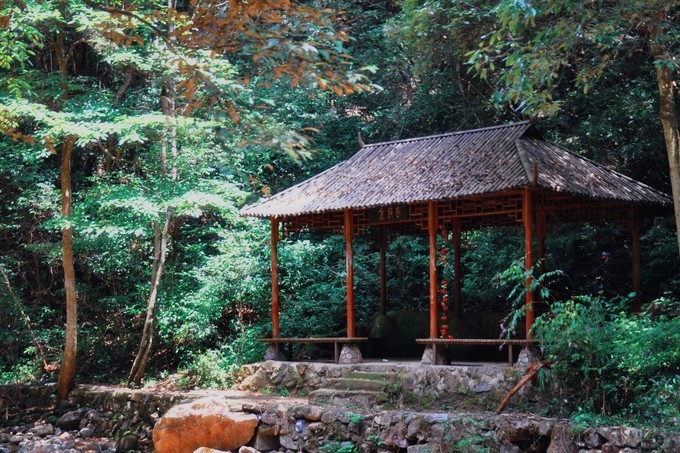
point(449, 166)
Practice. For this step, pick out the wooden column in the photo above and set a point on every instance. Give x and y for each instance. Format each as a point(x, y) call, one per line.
point(456, 268)
point(349, 231)
point(432, 230)
point(635, 246)
point(383, 270)
point(275, 276)
point(527, 215)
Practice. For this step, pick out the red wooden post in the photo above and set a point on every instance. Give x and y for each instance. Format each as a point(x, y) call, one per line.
point(275, 276)
point(349, 231)
point(456, 268)
point(527, 215)
point(383, 270)
point(635, 245)
point(432, 230)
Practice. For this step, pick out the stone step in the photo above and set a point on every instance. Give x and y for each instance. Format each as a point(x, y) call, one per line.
point(365, 375)
point(348, 398)
point(346, 383)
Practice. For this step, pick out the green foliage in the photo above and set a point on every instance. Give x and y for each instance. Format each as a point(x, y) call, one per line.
point(615, 363)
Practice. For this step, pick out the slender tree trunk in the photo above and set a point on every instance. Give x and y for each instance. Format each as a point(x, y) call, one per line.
point(160, 243)
point(669, 121)
point(160, 253)
point(67, 372)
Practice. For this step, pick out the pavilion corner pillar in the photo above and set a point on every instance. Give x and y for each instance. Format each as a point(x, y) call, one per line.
point(432, 231)
point(275, 276)
point(527, 217)
point(635, 246)
point(349, 231)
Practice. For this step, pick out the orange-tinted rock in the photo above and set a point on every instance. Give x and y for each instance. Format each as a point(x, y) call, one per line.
point(206, 422)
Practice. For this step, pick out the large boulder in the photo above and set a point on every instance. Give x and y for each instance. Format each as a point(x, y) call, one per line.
point(206, 422)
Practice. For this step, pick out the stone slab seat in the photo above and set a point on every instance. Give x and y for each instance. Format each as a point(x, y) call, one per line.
point(337, 341)
point(434, 342)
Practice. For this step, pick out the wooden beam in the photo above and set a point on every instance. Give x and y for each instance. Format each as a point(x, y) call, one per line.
point(383, 270)
point(275, 276)
point(349, 232)
point(527, 216)
point(635, 246)
point(457, 281)
point(432, 230)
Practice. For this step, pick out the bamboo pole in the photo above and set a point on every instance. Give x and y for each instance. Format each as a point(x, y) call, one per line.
point(432, 230)
point(275, 276)
point(349, 231)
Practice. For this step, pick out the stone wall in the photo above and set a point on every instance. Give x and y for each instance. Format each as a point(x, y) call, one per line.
point(434, 381)
point(288, 425)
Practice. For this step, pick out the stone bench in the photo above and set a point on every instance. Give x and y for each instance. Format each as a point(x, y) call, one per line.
point(337, 341)
point(434, 342)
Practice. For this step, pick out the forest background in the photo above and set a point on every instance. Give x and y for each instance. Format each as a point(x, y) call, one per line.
point(133, 134)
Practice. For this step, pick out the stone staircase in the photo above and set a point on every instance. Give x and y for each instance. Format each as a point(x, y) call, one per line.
point(355, 389)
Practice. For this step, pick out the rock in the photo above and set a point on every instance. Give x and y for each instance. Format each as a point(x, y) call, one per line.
point(288, 443)
point(43, 430)
point(312, 413)
point(561, 441)
point(510, 448)
point(209, 450)
point(422, 448)
point(274, 352)
point(592, 439)
point(248, 450)
point(86, 433)
point(350, 354)
point(621, 436)
point(15, 439)
point(205, 422)
point(70, 420)
point(671, 444)
point(265, 443)
point(428, 359)
point(413, 428)
point(127, 443)
point(609, 448)
point(328, 417)
point(481, 388)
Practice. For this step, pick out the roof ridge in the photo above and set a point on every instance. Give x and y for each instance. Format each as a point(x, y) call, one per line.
point(448, 134)
point(523, 158)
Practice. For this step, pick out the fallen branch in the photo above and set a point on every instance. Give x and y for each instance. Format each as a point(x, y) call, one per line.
point(527, 377)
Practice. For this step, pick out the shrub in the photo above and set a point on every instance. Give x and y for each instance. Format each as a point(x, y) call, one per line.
point(615, 363)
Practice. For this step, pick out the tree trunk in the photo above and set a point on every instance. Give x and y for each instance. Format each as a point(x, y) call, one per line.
point(160, 252)
point(68, 365)
point(160, 242)
point(669, 121)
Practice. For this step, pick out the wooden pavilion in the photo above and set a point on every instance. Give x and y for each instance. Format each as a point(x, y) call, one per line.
point(491, 177)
